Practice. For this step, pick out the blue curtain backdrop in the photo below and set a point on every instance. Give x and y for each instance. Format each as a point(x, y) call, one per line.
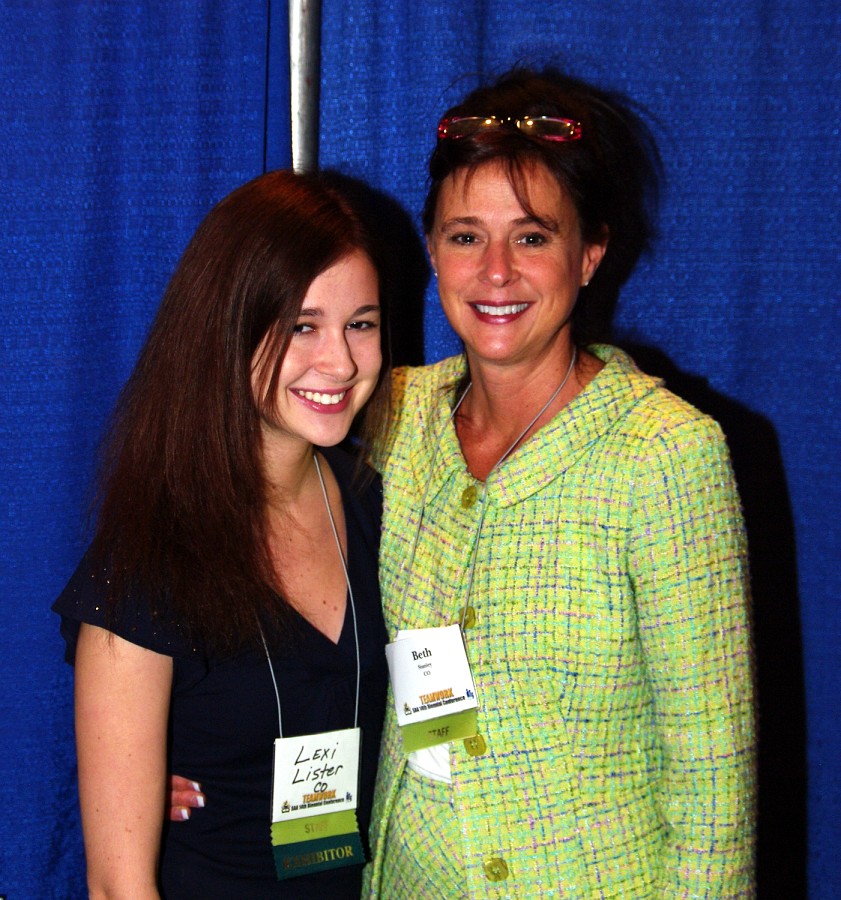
point(122, 122)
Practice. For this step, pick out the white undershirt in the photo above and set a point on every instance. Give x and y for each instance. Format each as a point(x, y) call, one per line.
point(432, 762)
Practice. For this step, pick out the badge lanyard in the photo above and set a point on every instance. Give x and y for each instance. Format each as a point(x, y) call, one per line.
point(316, 778)
point(422, 723)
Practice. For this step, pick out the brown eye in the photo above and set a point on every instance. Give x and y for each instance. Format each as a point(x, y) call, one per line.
point(533, 239)
point(362, 324)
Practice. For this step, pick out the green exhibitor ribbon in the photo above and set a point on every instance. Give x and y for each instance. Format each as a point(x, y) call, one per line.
point(292, 860)
point(315, 843)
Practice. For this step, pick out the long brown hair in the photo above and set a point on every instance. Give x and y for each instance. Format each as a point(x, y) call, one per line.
point(181, 492)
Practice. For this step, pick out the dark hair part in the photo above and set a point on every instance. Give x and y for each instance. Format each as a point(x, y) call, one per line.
point(611, 174)
point(181, 490)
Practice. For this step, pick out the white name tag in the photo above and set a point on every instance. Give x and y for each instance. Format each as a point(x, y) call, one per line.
point(315, 774)
point(430, 674)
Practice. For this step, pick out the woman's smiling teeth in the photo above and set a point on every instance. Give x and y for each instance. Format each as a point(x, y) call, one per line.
point(324, 399)
point(510, 310)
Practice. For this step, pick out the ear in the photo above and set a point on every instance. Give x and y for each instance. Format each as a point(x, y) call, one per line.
point(431, 252)
point(593, 255)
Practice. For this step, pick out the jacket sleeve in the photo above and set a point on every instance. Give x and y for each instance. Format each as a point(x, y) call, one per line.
point(688, 559)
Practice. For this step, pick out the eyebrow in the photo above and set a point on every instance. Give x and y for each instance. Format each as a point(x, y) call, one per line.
point(312, 312)
point(474, 220)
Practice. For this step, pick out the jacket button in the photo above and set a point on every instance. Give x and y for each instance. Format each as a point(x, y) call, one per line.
point(496, 869)
point(469, 617)
point(475, 745)
point(468, 496)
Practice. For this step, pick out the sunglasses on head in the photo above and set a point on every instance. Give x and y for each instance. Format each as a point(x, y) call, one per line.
point(547, 128)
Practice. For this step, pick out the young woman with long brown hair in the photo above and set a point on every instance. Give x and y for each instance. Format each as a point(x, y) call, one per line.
point(230, 594)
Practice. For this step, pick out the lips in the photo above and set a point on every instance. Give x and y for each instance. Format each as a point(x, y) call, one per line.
point(498, 313)
point(324, 401)
point(511, 309)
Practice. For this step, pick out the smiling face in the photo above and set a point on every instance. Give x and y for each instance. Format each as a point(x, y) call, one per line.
point(509, 280)
point(332, 363)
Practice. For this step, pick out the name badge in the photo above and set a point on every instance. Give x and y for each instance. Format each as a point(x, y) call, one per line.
point(434, 694)
point(314, 798)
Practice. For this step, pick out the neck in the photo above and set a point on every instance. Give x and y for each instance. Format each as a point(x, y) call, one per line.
point(505, 407)
point(503, 399)
point(290, 476)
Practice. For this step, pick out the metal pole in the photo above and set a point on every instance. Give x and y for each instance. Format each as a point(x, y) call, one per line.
point(304, 81)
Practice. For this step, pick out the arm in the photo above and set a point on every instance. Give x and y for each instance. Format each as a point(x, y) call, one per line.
point(690, 568)
point(122, 694)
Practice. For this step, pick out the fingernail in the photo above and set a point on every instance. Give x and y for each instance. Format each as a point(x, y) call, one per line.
point(195, 785)
point(185, 813)
point(200, 801)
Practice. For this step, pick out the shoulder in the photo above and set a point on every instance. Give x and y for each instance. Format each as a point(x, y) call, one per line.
point(669, 459)
point(654, 448)
point(418, 393)
point(652, 413)
point(416, 384)
point(86, 600)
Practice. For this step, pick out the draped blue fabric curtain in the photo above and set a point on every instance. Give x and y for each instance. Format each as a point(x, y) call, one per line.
point(122, 122)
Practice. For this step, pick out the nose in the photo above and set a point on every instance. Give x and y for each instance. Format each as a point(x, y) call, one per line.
point(498, 264)
point(336, 358)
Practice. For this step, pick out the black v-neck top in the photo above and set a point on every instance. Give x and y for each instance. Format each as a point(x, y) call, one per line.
point(224, 720)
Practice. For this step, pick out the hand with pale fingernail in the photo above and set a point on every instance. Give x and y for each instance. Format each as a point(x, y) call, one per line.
point(184, 796)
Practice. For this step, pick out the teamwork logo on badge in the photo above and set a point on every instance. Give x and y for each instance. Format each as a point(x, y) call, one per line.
point(434, 694)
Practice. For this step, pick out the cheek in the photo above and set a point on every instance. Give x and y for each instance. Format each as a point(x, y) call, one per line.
point(450, 262)
point(267, 396)
point(368, 357)
point(375, 361)
point(369, 365)
point(451, 283)
point(453, 268)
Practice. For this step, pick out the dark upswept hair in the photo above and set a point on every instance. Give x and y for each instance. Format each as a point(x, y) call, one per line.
point(611, 174)
point(181, 493)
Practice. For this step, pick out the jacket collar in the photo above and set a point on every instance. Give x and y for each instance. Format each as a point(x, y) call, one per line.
point(554, 448)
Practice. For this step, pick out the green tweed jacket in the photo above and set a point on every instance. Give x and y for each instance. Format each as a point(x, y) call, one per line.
point(610, 644)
